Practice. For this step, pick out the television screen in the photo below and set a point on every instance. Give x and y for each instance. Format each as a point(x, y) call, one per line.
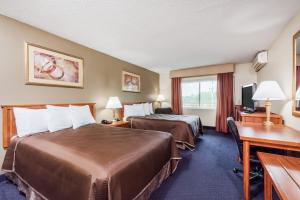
point(247, 93)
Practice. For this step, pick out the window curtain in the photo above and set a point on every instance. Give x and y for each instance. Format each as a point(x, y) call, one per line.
point(224, 100)
point(176, 96)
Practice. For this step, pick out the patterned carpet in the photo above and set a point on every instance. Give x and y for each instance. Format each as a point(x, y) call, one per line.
point(205, 173)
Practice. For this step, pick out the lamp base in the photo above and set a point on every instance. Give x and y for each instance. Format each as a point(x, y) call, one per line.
point(268, 113)
point(160, 104)
point(115, 119)
point(268, 123)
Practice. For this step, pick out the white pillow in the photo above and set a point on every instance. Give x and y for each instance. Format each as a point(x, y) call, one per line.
point(128, 111)
point(30, 121)
point(81, 115)
point(146, 108)
point(58, 118)
point(139, 109)
point(151, 108)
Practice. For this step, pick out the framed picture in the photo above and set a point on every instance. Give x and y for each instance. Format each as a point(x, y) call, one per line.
point(52, 68)
point(131, 82)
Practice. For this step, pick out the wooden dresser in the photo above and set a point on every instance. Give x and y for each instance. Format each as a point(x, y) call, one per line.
point(259, 118)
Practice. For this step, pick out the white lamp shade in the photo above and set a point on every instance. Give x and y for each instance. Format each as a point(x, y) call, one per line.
point(268, 90)
point(297, 97)
point(113, 102)
point(161, 98)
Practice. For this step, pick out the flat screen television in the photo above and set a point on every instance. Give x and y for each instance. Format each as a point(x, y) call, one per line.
point(248, 104)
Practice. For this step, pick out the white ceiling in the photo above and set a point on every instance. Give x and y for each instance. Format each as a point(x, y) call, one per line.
point(162, 34)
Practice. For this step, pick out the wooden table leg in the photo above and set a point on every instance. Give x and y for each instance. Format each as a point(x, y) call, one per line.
point(267, 186)
point(246, 165)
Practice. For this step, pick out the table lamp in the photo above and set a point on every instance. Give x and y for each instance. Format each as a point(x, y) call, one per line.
point(113, 103)
point(160, 99)
point(268, 91)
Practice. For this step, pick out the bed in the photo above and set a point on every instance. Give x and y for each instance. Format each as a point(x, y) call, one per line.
point(184, 128)
point(90, 162)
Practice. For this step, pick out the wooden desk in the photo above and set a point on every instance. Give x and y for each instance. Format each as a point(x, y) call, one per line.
point(260, 117)
point(278, 136)
point(283, 173)
point(237, 112)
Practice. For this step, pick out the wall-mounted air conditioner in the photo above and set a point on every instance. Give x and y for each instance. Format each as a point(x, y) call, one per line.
point(260, 60)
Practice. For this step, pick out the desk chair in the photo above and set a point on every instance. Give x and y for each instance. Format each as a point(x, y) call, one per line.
point(256, 170)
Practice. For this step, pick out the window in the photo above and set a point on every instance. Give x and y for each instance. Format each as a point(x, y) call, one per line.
point(199, 93)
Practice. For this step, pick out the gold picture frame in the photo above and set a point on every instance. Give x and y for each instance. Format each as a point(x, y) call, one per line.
point(44, 66)
point(295, 103)
point(131, 82)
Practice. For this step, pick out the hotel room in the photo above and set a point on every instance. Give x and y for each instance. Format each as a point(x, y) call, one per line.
point(109, 100)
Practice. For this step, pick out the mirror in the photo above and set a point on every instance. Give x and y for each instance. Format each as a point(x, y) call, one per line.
point(296, 74)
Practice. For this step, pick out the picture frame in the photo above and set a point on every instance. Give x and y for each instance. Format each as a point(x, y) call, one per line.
point(131, 82)
point(44, 66)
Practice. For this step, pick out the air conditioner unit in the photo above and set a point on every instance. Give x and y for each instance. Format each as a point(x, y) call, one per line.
point(260, 60)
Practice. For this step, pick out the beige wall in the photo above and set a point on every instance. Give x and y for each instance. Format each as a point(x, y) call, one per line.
point(280, 68)
point(244, 74)
point(102, 73)
point(207, 116)
point(165, 88)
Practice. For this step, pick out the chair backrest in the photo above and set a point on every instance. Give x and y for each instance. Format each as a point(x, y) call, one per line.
point(235, 133)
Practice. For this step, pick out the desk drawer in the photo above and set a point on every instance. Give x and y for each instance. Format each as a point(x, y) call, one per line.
point(260, 120)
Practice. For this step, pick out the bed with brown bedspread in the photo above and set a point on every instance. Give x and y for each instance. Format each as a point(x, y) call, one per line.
point(184, 128)
point(91, 162)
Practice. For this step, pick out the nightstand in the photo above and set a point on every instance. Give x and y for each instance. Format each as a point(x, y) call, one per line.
point(124, 124)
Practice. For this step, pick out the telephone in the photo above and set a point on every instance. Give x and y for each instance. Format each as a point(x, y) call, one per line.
point(106, 122)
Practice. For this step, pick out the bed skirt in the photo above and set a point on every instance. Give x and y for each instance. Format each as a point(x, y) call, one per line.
point(32, 194)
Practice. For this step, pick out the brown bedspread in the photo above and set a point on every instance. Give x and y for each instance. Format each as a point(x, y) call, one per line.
point(91, 162)
point(184, 128)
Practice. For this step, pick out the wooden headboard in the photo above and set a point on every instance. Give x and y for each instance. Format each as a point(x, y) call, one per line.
point(8, 121)
point(123, 104)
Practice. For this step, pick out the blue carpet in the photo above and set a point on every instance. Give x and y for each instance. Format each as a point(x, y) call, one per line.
point(8, 191)
point(205, 173)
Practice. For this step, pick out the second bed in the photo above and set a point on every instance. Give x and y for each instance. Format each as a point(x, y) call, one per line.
point(184, 128)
